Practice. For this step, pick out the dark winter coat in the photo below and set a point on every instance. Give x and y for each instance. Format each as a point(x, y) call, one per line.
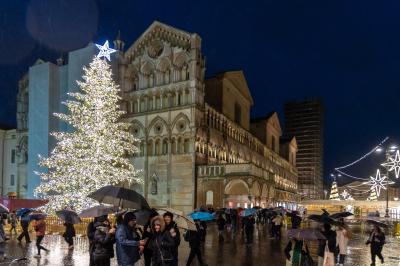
point(296, 221)
point(249, 224)
point(377, 241)
point(127, 247)
point(330, 236)
point(177, 238)
point(69, 230)
point(103, 245)
point(25, 222)
point(194, 238)
point(221, 223)
point(162, 244)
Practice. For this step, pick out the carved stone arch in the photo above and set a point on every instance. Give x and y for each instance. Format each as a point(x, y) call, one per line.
point(147, 68)
point(237, 187)
point(164, 64)
point(137, 125)
point(156, 120)
point(181, 59)
point(180, 117)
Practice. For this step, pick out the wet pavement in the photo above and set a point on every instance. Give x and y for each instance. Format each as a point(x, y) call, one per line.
point(232, 251)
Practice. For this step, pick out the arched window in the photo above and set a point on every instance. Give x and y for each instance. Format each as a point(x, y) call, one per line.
point(178, 146)
point(186, 146)
point(150, 148)
point(165, 147)
point(141, 149)
point(173, 146)
point(210, 197)
point(157, 147)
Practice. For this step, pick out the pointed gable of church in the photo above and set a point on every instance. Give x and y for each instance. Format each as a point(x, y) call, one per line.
point(161, 31)
point(239, 81)
point(273, 120)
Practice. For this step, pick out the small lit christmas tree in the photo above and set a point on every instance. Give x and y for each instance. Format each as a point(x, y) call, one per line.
point(372, 195)
point(334, 195)
point(98, 152)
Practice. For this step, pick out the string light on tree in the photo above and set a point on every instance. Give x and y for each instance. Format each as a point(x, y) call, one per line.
point(394, 164)
point(378, 182)
point(98, 152)
point(334, 195)
point(372, 196)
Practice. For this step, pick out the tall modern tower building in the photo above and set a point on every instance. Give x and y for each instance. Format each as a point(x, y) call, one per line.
point(304, 119)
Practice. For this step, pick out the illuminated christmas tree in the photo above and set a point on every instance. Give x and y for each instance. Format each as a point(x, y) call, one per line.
point(372, 195)
point(97, 152)
point(334, 191)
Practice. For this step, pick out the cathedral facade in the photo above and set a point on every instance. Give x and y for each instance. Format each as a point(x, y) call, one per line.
point(198, 145)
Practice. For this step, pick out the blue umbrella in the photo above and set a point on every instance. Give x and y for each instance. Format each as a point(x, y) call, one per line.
point(23, 211)
point(247, 212)
point(202, 216)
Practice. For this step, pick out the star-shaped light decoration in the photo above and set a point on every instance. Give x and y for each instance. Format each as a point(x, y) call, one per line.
point(346, 195)
point(105, 50)
point(394, 164)
point(378, 182)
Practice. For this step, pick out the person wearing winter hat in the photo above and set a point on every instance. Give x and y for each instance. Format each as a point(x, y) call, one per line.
point(126, 246)
point(161, 243)
point(172, 227)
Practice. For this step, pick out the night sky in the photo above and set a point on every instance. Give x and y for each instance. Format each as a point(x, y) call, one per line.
point(345, 52)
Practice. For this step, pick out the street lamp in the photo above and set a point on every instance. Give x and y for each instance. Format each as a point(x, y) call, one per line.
point(390, 165)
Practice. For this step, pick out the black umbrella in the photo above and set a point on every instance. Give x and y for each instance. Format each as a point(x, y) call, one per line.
point(143, 216)
point(322, 219)
point(377, 223)
point(340, 215)
point(97, 211)
point(68, 216)
point(121, 197)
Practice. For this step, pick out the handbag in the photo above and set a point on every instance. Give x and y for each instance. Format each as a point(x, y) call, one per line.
point(329, 258)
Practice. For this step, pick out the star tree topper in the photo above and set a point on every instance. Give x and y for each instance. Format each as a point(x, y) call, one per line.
point(394, 164)
point(105, 50)
point(378, 182)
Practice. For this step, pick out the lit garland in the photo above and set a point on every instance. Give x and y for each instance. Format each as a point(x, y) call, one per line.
point(97, 153)
point(339, 169)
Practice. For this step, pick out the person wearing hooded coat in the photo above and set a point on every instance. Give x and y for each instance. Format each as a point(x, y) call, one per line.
point(127, 247)
point(104, 239)
point(172, 227)
point(161, 243)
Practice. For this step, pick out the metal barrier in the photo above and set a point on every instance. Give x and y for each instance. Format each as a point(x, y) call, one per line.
point(55, 225)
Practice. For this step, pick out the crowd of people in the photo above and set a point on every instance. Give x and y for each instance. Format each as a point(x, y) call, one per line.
point(159, 239)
